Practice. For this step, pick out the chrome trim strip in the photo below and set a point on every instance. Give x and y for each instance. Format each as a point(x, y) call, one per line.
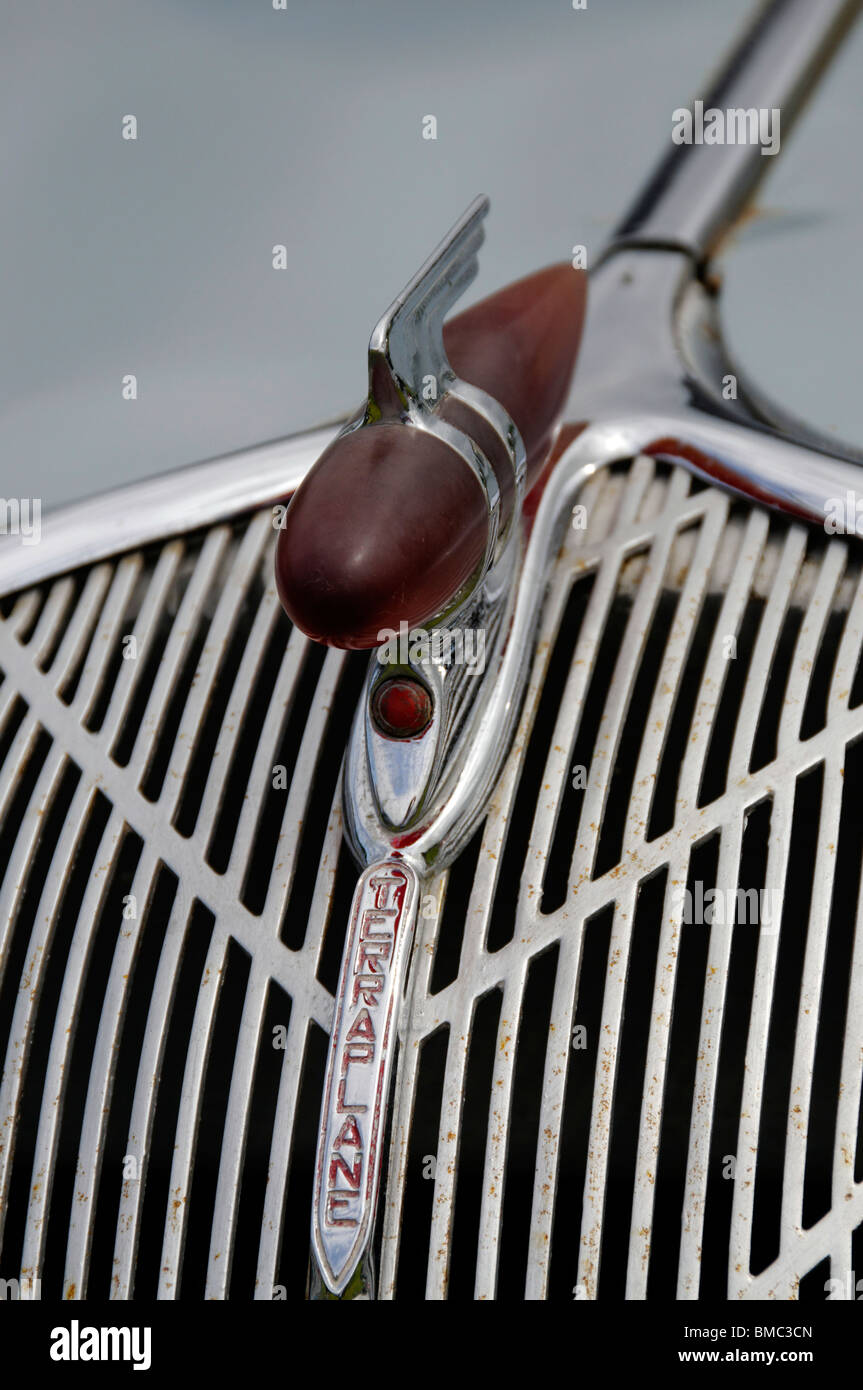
point(169, 504)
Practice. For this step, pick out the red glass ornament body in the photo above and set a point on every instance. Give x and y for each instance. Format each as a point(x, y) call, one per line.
point(390, 522)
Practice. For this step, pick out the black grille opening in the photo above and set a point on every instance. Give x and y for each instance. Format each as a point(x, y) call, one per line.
point(236, 778)
point(293, 1267)
point(10, 601)
point(715, 775)
point(776, 1093)
point(857, 1261)
point(274, 797)
point(85, 647)
point(226, 1038)
point(530, 783)
point(75, 585)
point(815, 708)
point(67, 1200)
point(207, 735)
point(858, 1158)
point(453, 918)
point(767, 729)
point(52, 964)
point(157, 1209)
point(155, 915)
point(11, 724)
point(815, 1286)
point(477, 1099)
point(855, 698)
point(681, 1060)
point(421, 1167)
point(663, 807)
point(162, 746)
point(826, 1072)
point(262, 1119)
point(561, 863)
point(330, 960)
point(533, 1042)
point(318, 810)
point(629, 1084)
point(724, 1157)
point(14, 953)
point(115, 659)
point(610, 840)
point(149, 660)
point(578, 1101)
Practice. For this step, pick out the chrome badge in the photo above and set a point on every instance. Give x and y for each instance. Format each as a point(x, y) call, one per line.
point(374, 965)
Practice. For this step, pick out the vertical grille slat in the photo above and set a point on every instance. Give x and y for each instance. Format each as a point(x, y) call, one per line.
point(77, 637)
point(548, 1168)
point(850, 1101)
point(810, 643)
point(234, 1143)
point(144, 1102)
point(176, 658)
point(231, 594)
point(730, 617)
point(239, 707)
point(407, 1071)
point(653, 1099)
point(29, 988)
point(280, 1158)
point(107, 637)
point(764, 654)
point(756, 1050)
point(494, 1173)
point(810, 995)
point(288, 844)
point(707, 1078)
point(120, 723)
point(847, 657)
point(68, 1009)
point(94, 1124)
point(186, 1134)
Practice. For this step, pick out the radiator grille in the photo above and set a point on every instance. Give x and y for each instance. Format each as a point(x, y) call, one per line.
point(593, 1097)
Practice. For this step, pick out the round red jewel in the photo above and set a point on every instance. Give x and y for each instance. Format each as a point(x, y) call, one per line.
point(401, 708)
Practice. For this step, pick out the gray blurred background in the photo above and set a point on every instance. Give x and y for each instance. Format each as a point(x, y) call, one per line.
point(304, 127)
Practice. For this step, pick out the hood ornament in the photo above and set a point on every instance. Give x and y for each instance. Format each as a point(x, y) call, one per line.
point(440, 700)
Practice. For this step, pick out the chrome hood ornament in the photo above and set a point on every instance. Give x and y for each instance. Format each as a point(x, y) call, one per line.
point(427, 744)
point(414, 794)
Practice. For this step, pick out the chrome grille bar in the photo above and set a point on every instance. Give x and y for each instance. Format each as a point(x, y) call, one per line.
point(648, 535)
